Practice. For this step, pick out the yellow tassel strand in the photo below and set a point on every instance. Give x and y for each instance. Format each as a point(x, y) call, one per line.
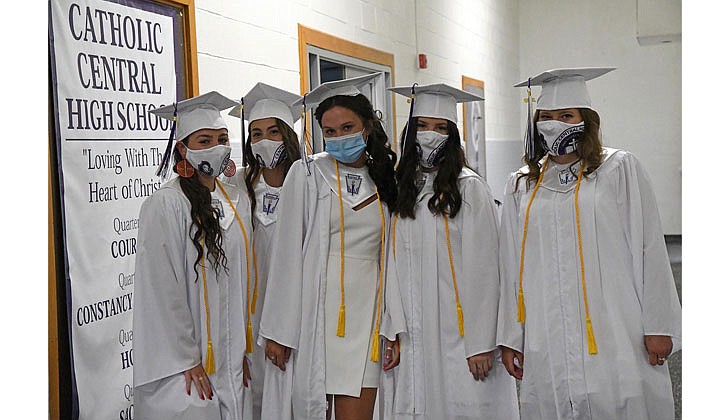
point(461, 322)
point(210, 359)
point(375, 340)
point(591, 340)
point(521, 307)
point(521, 302)
point(341, 327)
point(248, 337)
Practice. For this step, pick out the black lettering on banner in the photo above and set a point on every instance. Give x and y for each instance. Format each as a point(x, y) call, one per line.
point(127, 359)
point(123, 248)
point(104, 309)
point(127, 413)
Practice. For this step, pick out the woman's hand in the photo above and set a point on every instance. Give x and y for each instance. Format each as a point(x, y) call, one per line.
point(509, 357)
point(658, 348)
point(277, 353)
point(246, 371)
point(202, 383)
point(391, 354)
point(480, 365)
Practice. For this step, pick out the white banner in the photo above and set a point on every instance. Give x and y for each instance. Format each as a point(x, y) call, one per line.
point(112, 65)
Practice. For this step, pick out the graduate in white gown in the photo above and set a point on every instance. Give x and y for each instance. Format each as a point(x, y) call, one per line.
point(192, 254)
point(444, 260)
point(324, 301)
point(589, 312)
point(269, 150)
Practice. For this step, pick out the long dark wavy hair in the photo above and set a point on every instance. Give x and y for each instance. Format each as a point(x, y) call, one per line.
point(588, 148)
point(447, 198)
point(290, 141)
point(205, 218)
point(381, 157)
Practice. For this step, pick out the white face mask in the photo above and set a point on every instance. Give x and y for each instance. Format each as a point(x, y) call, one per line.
point(211, 162)
point(269, 153)
point(560, 138)
point(431, 143)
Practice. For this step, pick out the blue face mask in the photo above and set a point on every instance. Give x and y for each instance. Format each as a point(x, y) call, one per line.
point(346, 149)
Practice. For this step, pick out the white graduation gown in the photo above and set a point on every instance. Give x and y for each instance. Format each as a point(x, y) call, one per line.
point(170, 334)
point(630, 288)
point(266, 215)
point(432, 380)
point(293, 313)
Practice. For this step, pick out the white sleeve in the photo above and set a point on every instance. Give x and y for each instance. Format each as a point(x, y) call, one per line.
point(510, 331)
point(164, 330)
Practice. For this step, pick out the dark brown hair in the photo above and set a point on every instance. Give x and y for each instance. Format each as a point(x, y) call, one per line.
point(447, 198)
point(588, 148)
point(205, 218)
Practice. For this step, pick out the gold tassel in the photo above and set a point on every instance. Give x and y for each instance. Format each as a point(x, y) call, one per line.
point(521, 307)
point(249, 337)
point(210, 361)
point(341, 329)
point(461, 322)
point(375, 347)
point(591, 341)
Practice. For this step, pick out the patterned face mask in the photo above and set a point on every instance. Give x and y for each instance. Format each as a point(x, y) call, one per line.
point(211, 162)
point(431, 143)
point(559, 138)
point(269, 153)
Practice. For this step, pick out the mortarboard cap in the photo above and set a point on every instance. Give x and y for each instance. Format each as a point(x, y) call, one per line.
point(436, 101)
point(564, 88)
point(266, 101)
point(196, 113)
point(190, 115)
point(346, 87)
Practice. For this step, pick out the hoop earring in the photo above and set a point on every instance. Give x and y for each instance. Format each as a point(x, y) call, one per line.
point(184, 169)
point(229, 168)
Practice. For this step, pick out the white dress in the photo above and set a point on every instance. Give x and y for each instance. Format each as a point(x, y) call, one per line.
point(433, 381)
point(170, 334)
point(362, 247)
point(294, 312)
point(629, 285)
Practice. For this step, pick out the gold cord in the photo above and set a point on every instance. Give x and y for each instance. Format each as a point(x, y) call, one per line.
point(249, 325)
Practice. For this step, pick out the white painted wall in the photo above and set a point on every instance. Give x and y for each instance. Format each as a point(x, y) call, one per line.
point(639, 103)
point(501, 42)
point(243, 42)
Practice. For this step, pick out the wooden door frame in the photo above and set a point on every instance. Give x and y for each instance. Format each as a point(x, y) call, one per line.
point(308, 36)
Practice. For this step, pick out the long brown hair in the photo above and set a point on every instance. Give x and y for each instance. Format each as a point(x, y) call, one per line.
point(290, 142)
point(588, 148)
point(205, 218)
point(447, 198)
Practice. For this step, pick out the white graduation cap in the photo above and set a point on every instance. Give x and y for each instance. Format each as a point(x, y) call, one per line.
point(266, 101)
point(196, 113)
point(190, 115)
point(346, 87)
point(564, 88)
point(436, 101)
